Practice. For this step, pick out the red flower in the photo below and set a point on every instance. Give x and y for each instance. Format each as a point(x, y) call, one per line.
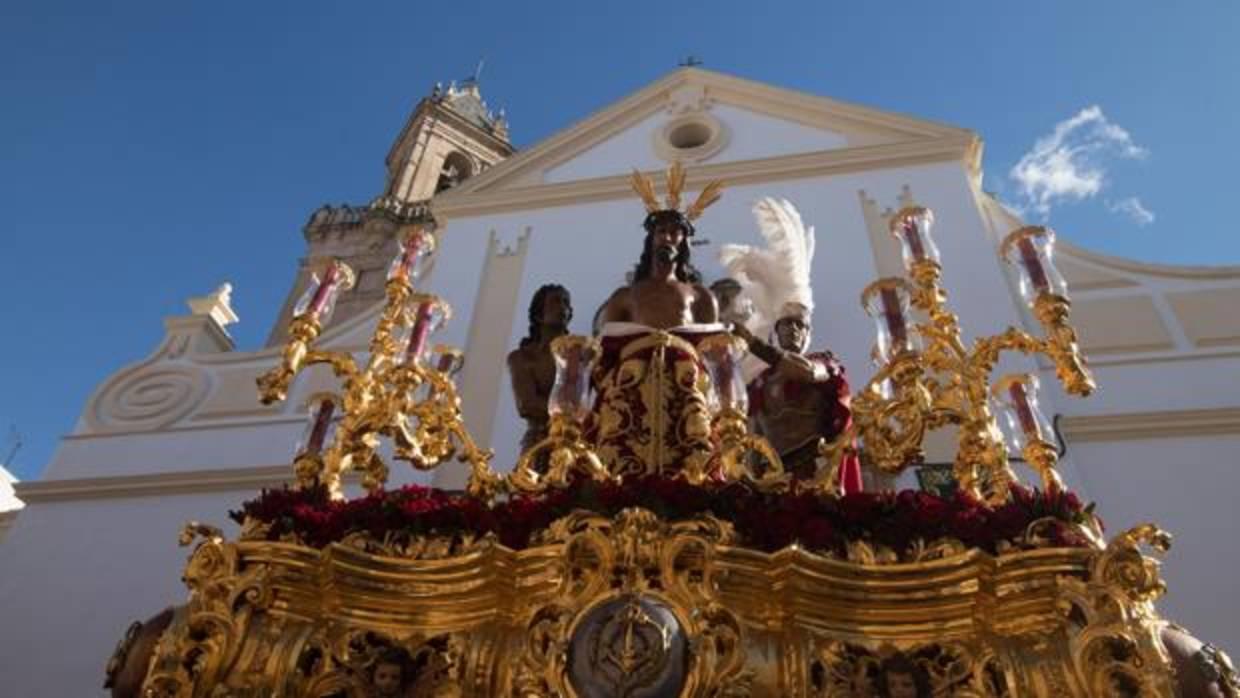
point(817, 533)
point(417, 507)
point(1011, 519)
point(763, 521)
point(969, 525)
point(931, 512)
point(861, 507)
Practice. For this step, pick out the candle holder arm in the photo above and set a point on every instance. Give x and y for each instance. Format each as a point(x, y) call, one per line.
point(737, 446)
point(566, 451)
point(483, 481)
point(1062, 347)
point(273, 385)
point(342, 364)
point(441, 433)
point(893, 427)
point(735, 459)
point(833, 452)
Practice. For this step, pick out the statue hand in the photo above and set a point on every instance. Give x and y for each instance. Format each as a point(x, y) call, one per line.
point(743, 332)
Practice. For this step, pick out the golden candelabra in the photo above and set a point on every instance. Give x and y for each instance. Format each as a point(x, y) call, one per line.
point(948, 382)
point(398, 394)
point(739, 450)
point(564, 449)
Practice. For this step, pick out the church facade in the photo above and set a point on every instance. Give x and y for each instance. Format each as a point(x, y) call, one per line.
point(181, 435)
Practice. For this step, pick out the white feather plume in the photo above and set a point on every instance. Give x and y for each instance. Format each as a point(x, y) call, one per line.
point(778, 274)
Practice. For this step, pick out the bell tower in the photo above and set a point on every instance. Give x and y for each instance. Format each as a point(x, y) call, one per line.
point(451, 136)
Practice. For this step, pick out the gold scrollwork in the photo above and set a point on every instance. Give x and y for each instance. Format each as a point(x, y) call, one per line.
point(839, 668)
point(396, 395)
point(205, 637)
point(947, 383)
point(639, 555)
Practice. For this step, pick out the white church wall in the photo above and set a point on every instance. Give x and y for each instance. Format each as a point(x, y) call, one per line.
point(74, 574)
point(1188, 487)
point(10, 505)
point(208, 447)
point(748, 136)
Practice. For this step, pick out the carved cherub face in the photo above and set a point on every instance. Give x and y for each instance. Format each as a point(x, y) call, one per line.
point(387, 679)
point(901, 685)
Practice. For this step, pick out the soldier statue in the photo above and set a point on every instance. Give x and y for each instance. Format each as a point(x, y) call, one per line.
point(798, 399)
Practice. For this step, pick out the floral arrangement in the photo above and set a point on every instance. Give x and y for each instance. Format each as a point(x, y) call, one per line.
point(762, 520)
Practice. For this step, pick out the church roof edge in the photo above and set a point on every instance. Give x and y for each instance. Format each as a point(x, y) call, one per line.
point(776, 101)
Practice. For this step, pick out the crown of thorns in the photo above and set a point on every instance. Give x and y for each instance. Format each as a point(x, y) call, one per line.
point(644, 186)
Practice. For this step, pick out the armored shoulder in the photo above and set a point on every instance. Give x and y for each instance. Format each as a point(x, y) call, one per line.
point(828, 360)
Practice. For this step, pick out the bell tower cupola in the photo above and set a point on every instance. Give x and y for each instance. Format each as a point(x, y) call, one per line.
point(451, 136)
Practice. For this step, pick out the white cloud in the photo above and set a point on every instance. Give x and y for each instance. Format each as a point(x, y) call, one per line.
point(1133, 208)
point(1070, 163)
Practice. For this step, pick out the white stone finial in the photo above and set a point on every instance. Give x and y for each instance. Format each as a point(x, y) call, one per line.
point(8, 495)
point(216, 305)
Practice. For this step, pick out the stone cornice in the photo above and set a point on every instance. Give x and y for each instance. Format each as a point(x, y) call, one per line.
point(1132, 266)
point(160, 484)
point(1152, 425)
point(799, 107)
point(801, 165)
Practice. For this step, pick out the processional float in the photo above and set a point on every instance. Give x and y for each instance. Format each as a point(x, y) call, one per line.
point(721, 577)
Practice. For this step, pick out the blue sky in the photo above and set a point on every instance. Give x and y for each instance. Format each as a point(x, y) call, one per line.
point(151, 150)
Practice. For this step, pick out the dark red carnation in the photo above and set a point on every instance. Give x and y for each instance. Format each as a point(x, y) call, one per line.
point(1009, 521)
point(817, 533)
point(860, 508)
point(969, 526)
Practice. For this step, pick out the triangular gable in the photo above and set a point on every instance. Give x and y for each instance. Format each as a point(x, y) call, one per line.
point(826, 134)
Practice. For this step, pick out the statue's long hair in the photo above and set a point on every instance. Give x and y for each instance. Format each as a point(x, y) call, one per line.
point(535, 311)
point(685, 271)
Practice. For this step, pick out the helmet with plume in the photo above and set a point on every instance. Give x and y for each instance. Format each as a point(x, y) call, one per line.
point(776, 278)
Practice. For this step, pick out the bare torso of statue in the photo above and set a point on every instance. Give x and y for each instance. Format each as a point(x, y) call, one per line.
point(661, 304)
point(660, 296)
point(533, 375)
point(532, 365)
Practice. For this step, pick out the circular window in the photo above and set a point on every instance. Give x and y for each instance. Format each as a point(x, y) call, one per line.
point(690, 138)
point(690, 135)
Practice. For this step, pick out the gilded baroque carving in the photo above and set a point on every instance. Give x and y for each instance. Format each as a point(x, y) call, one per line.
point(638, 582)
point(633, 604)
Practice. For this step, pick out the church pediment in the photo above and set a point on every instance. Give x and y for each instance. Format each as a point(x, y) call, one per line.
point(719, 125)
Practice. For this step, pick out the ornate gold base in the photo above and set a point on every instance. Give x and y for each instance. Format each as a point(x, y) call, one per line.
point(634, 603)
